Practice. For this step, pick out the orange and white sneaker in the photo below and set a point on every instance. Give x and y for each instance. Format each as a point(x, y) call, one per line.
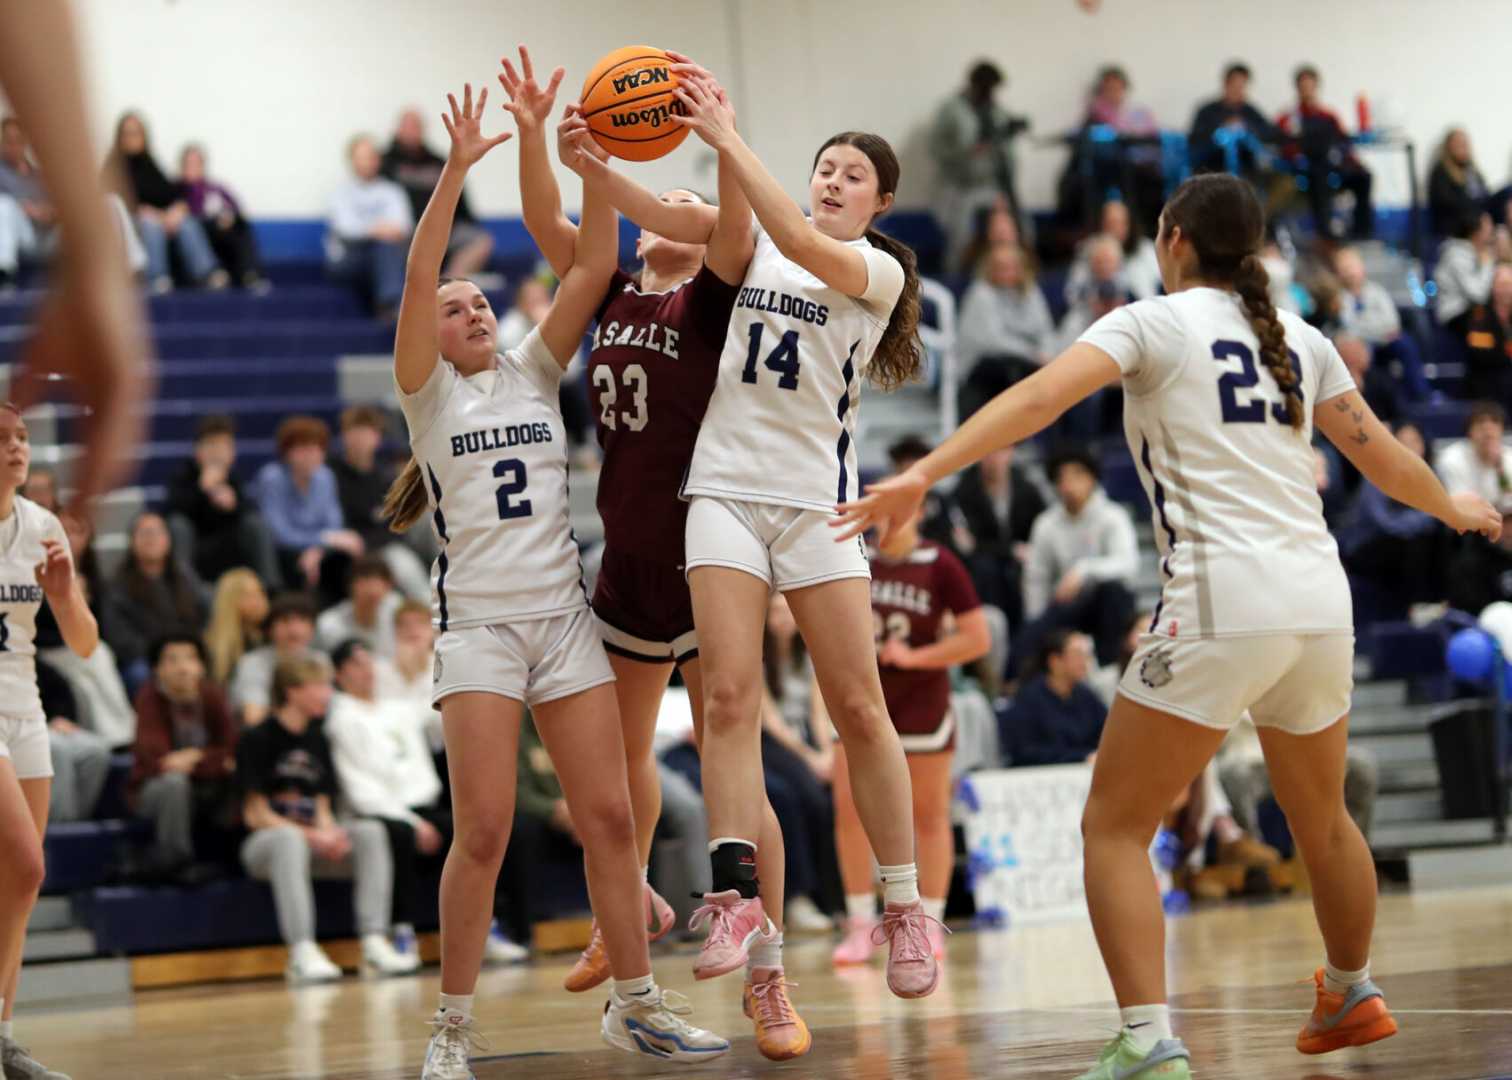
point(1355, 1018)
point(781, 1033)
point(592, 967)
point(912, 970)
point(856, 946)
point(734, 924)
point(660, 918)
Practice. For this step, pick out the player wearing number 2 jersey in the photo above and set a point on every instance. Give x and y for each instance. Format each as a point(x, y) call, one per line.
point(824, 303)
point(652, 368)
point(490, 467)
point(1221, 396)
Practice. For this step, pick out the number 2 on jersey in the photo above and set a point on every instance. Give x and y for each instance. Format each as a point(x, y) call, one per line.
point(514, 468)
point(783, 359)
point(637, 382)
point(1252, 410)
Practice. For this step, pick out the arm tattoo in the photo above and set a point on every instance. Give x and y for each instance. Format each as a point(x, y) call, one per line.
point(1342, 404)
point(1360, 438)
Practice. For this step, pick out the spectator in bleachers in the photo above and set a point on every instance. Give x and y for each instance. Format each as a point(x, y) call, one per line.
point(184, 758)
point(942, 521)
point(1456, 189)
point(1463, 272)
point(153, 593)
point(1082, 560)
point(1141, 273)
point(290, 634)
point(80, 757)
point(1246, 781)
point(1481, 462)
point(288, 782)
point(215, 526)
point(798, 759)
point(1235, 117)
point(27, 216)
point(1107, 289)
point(971, 141)
point(1110, 105)
point(368, 230)
point(1376, 385)
point(164, 222)
point(532, 300)
point(994, 227)
point(362, 480)
point(1323, 156)
point(237, 614)
point(408, 674)
point(228, 230)
point(1398, 549)
point(415, 167)
point(1005, 331)
point(1056, 718)
point(302, 506)
point(1367, 311)
point(1000, 504)
point(1133, 167)
point(1488, 343)
point(367, 614)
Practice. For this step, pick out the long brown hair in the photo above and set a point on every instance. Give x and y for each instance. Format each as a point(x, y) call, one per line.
point(899, 354)
point(1221, 218)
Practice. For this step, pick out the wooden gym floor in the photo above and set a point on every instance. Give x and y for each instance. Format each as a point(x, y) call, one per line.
point(1031, 1002)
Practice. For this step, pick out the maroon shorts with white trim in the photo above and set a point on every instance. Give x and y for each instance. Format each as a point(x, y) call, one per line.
point(644, 609)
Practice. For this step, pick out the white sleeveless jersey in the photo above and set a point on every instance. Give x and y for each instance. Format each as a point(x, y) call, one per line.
point(781, 425)
point(493, 453)
point(1232, 487)
point(20, 597)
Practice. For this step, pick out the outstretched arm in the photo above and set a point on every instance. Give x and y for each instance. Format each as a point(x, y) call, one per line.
point(1351, 425)
point(1020, 411)
point(683, 223)
point(708, 113)
point(733, 240)
point(595, 255)
point(530, 104)
point(415, 341)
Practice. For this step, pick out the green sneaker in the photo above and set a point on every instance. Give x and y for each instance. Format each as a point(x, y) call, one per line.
point(1121, 1061)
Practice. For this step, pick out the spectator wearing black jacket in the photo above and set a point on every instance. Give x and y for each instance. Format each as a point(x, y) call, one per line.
point(998, 505)
point(1232, 113)
point(215, 527)
point(1456, 189)
point(1056, 718)
point(1323, 154)
point(152, 595)
point(416, 167)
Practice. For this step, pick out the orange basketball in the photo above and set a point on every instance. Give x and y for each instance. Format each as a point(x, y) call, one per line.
point(628, 103)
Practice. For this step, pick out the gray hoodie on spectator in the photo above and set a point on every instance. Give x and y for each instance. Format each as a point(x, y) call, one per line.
point(1099, 542)
point(1463, 279)
point(1371, 316)
point(1010, 322)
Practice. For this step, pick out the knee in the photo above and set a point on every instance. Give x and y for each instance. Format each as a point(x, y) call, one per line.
point(24, 873)
point(288, 847)
point(729, 706)
point(861, 718)
point(483, 844)
point(605, 824)
point(1102, 820)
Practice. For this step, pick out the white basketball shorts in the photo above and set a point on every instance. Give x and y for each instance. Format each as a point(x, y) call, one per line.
point(534, 661)
point(787, 547)
point(25, 743)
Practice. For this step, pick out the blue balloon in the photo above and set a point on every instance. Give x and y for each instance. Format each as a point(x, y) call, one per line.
point(1470, 655)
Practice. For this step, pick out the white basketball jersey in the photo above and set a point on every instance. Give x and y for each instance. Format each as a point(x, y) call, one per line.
point(493, 453)
point(781, 426)
point(1237, 515)
point(20, 597)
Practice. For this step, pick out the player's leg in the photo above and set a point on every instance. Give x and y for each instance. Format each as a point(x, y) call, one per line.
point(35, 795)
point(1145, 759)
point(21, 845)
point(856, 867)
point(930, 775)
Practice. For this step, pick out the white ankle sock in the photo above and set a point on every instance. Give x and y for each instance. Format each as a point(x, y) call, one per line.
point(934, 908)
point(1146, 1025)
point(861, 906)
point(646, 874)
point(634, 989)
point(765, 953)
point(452, 1004)
point(6, 1028)
point(900, 884)
point(1339, 981)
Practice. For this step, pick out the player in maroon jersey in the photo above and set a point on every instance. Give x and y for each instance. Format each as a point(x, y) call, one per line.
point(651, 372)
point(928, 619)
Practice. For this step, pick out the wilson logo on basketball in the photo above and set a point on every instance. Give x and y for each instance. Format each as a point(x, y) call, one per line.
point(634, 80)
point(654, 115)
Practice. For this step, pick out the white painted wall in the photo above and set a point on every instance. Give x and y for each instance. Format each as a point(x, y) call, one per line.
point(275, 87)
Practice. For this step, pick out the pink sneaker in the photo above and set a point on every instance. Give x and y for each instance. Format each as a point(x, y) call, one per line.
point(733, 925)
point(660, 918)
point(856, 947)
point(912, 970)
point(937, 932)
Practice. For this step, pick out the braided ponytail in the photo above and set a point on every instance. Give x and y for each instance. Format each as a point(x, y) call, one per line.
point(1252, 284)
point(406, 501)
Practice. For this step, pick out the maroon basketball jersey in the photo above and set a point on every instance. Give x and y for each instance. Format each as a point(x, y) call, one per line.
point(910, 597)
point(652, 369)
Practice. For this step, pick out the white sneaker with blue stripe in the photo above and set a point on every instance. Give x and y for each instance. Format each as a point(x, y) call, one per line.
point(654, 1026)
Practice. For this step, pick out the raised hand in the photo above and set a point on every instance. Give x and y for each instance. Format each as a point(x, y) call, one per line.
point(529, 102)
point(465, 126)
point(886, 505)
point(707, 107)
point(576, 146)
